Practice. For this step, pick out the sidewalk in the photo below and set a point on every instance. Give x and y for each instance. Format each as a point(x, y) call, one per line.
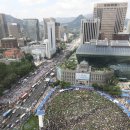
point(43, 96)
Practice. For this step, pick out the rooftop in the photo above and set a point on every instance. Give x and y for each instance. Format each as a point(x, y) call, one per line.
point(114, 48)
point(9, 38)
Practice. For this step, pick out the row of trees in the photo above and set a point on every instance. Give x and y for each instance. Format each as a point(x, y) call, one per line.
point(70, 64)
point(62, 84)
point(110, 87)
point(9, 74)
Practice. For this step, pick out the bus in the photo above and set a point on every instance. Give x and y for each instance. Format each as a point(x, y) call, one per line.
point(123, 79)
point(24, 96)
point(7, 113)
point(34, 85)
point(22, 115)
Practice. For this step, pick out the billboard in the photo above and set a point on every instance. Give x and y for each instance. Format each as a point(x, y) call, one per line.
point(82, 76)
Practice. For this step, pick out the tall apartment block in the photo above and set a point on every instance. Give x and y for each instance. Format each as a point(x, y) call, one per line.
point(112, 17)
point(14, 30)
point(89, 29)
point(3, 26)
point(45, 21)
point(31, 29)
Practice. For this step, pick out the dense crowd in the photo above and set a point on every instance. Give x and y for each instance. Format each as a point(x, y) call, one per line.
point(84, 110)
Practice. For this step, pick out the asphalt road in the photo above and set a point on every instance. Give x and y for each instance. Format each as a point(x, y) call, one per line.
point(35, 92)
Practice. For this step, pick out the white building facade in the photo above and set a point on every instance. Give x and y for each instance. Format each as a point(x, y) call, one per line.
point(51, 42)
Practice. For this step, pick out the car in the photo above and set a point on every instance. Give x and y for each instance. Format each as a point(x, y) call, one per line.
point(17, 121)
point(18, 115)
point(4, 121)
point(24, 100)
point(9, 125)
point(14, 111)
point(76, 88)
point(12, 125)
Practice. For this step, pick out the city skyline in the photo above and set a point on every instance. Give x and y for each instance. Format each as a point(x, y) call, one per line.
point(51, 8)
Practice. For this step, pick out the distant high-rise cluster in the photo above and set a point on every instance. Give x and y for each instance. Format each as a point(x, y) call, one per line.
point(23, 33)
point(111, 17)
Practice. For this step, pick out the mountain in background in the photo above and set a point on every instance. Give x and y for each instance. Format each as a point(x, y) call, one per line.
point(64, 20)
point(11, 19)
point(76, 22)
point(89, 16)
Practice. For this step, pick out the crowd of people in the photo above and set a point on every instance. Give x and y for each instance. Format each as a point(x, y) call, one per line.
point(84, 110)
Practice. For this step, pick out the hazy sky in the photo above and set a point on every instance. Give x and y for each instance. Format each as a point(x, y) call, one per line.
point(50, 8)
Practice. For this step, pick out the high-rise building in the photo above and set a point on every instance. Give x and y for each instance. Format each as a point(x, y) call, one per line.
point(14, 30)
point(57, 31)
point(3, 26)
point(51, 35)
point(51, 41)
point(31, 29)
point(89, 29)
point(112, 16)
point(45, 21)
point(63, 29)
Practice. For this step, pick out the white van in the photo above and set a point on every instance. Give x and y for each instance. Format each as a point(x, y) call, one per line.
point(14, 111)
point(22, 115)
point(34, 85)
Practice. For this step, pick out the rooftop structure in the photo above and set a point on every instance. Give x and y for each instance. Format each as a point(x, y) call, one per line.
point(102, 53)
point(114, 48)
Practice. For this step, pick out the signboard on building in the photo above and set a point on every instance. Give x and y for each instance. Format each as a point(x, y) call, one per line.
point(82, 76)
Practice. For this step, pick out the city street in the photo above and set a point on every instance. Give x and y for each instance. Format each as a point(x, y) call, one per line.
point(23, 108)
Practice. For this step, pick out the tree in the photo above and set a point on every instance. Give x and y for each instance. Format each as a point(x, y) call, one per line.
point(3, 71)
point(112, 81)
point(28, 57)
point(64, 84)
point(9, 80)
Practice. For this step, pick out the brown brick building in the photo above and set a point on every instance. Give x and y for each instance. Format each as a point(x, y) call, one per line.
point(7, 43)
point(13, 53)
